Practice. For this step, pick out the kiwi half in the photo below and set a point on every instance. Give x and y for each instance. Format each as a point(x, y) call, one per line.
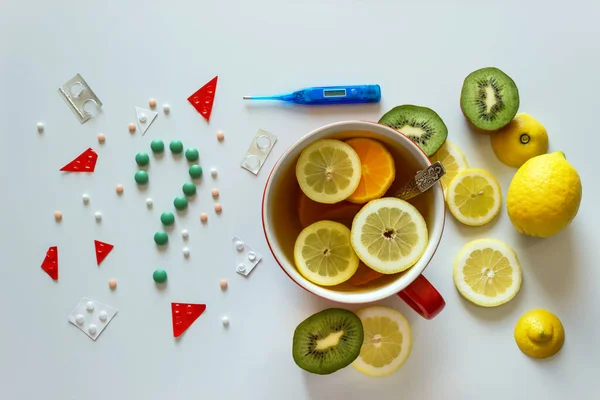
point(421, 124)
point(489, 99)
point(328, 341)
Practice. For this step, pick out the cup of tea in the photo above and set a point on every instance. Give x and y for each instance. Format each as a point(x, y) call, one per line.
point(286, 211)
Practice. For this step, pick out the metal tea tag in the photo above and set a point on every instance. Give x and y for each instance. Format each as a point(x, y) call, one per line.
point(79, 97)
point(258, 151)
point(422, 181)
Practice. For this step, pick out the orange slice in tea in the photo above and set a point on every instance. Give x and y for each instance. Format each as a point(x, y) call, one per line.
point(377, 170)
point(310, 211)
point(363, 275)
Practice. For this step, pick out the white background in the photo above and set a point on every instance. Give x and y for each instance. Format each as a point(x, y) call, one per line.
point(419, 52)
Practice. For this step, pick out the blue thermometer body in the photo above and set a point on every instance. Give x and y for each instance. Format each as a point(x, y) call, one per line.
point(328, 95)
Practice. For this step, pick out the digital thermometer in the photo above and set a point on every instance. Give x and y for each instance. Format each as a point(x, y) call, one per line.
point(328, 95)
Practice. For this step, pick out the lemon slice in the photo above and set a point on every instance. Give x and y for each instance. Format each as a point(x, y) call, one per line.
point(324, 255)
point(387, 341)
point(389, 235)
point(487, 272)
point(474, 197)
point(328, 171)
point(453, 160)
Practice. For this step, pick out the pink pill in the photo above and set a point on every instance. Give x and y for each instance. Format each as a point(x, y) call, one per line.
point(220, 136)
point(152, 103)
point(203, 217)
point(119, 189)
point(223, 284)
point(57, 215)
point(132, 127)
point(112, 284)
point(101, 138)
point(215, 193)
point(218, 208)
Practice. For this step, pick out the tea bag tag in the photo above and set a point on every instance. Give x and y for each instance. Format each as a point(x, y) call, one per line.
point(422, 181)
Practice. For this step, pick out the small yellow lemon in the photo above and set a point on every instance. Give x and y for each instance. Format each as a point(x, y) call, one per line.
point(539, 334)
point(544, 195)
point(523, 138)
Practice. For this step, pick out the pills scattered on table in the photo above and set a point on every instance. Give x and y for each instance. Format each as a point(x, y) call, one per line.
point(166, 108)
point(89, 306)
point(152, 103)
point(86, 198)
point(192, 154)
point(141, 177)
point(98, 215)
point(143, 118)
point(79, 319)
point(186, 252)
point(189, 189)
point(225, 321)
point(251, 256)
point(132, 127)
point(112, 284)
point(218, 208)
point(185, 233)
point(180, 203)
point(102, 316)
point(58, 215)
point(142, 159)
point(195, 171)
point(223, 284)
point(160, 276)
point(101, 138)
point(241, 267)
point(176, 147)
point(215, 193)
point(213, 172)
point(149, 202)
point(92, 329)
point(239, 245)
point(161, 238)
point(157, 146)
point(220, 136)
point(119, 189)
point(167, 218)
point(40, 127)
point(203, 218)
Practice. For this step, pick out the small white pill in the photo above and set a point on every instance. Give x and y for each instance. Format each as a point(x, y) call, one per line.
point(149, 202)
point(186, 252)
point(102, 316)
point(166, 108)
point(92, 329)
point(239, 245)
point(86, 198)
point(225, 320)
point(98, 216)
point(79, 319)
point(40, 127)
point(185, 233)
point(89, 306)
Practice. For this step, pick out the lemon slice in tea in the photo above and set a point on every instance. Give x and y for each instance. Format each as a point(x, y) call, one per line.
point(387, 341)
point(453, 160)
point(487, 272)
point(389, 235)
point(328, 171)
point(324, 255)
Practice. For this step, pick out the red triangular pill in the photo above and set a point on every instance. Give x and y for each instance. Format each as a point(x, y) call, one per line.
point(85, 162)
point(50, 263)
point(184, 315)
point(203, 98)
point(102, 250)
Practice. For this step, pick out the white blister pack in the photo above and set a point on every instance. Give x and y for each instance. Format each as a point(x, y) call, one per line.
point(246, 258)
point(144, 119)
point(92, 317)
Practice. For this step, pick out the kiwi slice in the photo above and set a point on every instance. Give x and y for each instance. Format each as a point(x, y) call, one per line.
point(327, 341)
point(421, 124)
point(489, 99)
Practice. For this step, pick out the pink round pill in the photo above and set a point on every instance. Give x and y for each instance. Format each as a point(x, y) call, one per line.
point(112, 284)
point(101, 138)
point(223, 284)
point(203, 217)
point(119, 189)
point(132, 127)
point(215, 193)
point(218, 208)
point(152, 103)
point(57, 215)
point(220, 136)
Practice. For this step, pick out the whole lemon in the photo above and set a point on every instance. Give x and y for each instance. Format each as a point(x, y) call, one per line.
point(544, 195)
point(523, 138)
point(539, 334)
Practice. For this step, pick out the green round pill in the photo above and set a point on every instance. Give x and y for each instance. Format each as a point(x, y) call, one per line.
point(176, 147)
point(160, 276)
point(189, 189)
point(180, 203)
point(157, 146)
point(161, 238)
point(141, 177)
point(167, 218)
point(142, 159)
point(195, 171)
point(192, 154)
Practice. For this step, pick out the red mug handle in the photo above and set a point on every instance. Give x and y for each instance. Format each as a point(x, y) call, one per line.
point(422, 297)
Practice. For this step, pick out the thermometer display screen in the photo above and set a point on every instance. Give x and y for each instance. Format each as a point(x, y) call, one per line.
point(334, 93)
